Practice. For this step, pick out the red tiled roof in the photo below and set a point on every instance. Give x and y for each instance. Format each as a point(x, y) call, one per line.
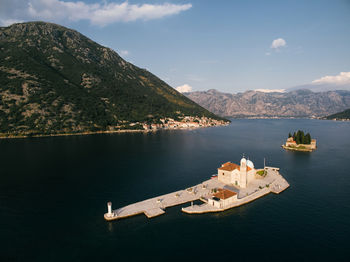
point(225, 193)
point(228, 166)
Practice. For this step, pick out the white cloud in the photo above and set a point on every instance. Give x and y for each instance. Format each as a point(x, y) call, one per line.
point(271, 90)
point(278, 43)
point(341, 79)
point(97, 13)
point(184, 88)
point(124, 53)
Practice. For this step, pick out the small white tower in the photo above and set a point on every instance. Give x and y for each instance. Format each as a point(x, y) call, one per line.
point(243, 165)
point(109, 205)
point(243, 173)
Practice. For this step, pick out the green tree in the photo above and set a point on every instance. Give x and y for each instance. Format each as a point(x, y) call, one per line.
point(289, 135)
point(297, 139)
point(308, 139)
point(302, 137)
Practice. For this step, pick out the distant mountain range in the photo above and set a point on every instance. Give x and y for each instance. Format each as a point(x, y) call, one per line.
point(298, 103)
point(56, 80)
point(321, 87)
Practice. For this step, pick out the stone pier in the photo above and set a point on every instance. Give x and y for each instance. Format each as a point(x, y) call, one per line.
point(273, 182)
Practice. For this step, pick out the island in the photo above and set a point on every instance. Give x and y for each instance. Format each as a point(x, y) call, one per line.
point(233, 185)
point(300, 142)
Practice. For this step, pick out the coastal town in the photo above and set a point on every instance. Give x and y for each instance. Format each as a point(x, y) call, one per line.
point(182, 122)
point(234, 185)
point(187, 122)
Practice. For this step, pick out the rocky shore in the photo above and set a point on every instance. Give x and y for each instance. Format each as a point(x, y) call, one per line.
point(186, 123)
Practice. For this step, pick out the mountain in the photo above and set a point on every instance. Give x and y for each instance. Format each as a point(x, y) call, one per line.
point(321, 87)
point(56, 80)
point(340, 116)
point(299, 103)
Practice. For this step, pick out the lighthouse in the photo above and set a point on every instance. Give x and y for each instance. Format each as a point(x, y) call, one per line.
point(109, 205)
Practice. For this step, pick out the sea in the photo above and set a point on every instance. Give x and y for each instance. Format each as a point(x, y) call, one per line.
point(54, 193)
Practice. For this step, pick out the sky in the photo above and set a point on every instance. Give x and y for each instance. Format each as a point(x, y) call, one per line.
point(195, 45)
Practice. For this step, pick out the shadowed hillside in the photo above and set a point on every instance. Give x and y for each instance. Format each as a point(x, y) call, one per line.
point(55, 80)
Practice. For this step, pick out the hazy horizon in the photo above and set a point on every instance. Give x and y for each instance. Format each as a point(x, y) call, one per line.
point(231, 46)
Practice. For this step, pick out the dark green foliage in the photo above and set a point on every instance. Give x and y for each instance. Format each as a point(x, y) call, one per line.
point(55, 80)
point(300, 138)
point(297, 139)
point(289, 135)
point(307, 139)
point(342, 115)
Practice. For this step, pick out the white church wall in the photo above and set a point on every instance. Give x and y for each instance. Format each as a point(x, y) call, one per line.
point(224, 176)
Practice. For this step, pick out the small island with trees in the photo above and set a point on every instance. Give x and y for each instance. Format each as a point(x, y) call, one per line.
point(300, 141)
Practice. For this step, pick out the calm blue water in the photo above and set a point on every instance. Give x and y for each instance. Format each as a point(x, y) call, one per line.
point(53, 194)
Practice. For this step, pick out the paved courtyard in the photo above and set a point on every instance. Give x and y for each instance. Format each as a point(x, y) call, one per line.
point(155, 206)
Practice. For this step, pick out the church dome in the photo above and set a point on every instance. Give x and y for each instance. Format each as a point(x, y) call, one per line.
point(250, 164)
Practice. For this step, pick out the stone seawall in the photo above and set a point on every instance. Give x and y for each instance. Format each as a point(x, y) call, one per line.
point(273, 183)
point(277, 186)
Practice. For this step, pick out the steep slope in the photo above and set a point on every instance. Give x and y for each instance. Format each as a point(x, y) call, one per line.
point(300, 103)
point(55, 80)
point(340, 116)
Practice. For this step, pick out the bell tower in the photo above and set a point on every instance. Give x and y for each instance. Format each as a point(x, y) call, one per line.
point(243, 164)
point(243, 173)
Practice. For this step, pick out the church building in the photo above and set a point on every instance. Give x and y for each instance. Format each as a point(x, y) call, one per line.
point(238, 175)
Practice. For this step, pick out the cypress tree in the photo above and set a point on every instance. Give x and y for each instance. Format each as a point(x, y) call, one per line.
point(297, 137)
point(289, 135)
point(307, 139)
point(302, 137)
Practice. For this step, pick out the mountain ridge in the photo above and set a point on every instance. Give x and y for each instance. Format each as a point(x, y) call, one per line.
point(298, 103)
point(55, 80)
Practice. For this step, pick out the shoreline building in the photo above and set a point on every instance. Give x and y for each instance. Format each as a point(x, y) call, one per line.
point(238, 175)
point(290, 142)
point(223, 198)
